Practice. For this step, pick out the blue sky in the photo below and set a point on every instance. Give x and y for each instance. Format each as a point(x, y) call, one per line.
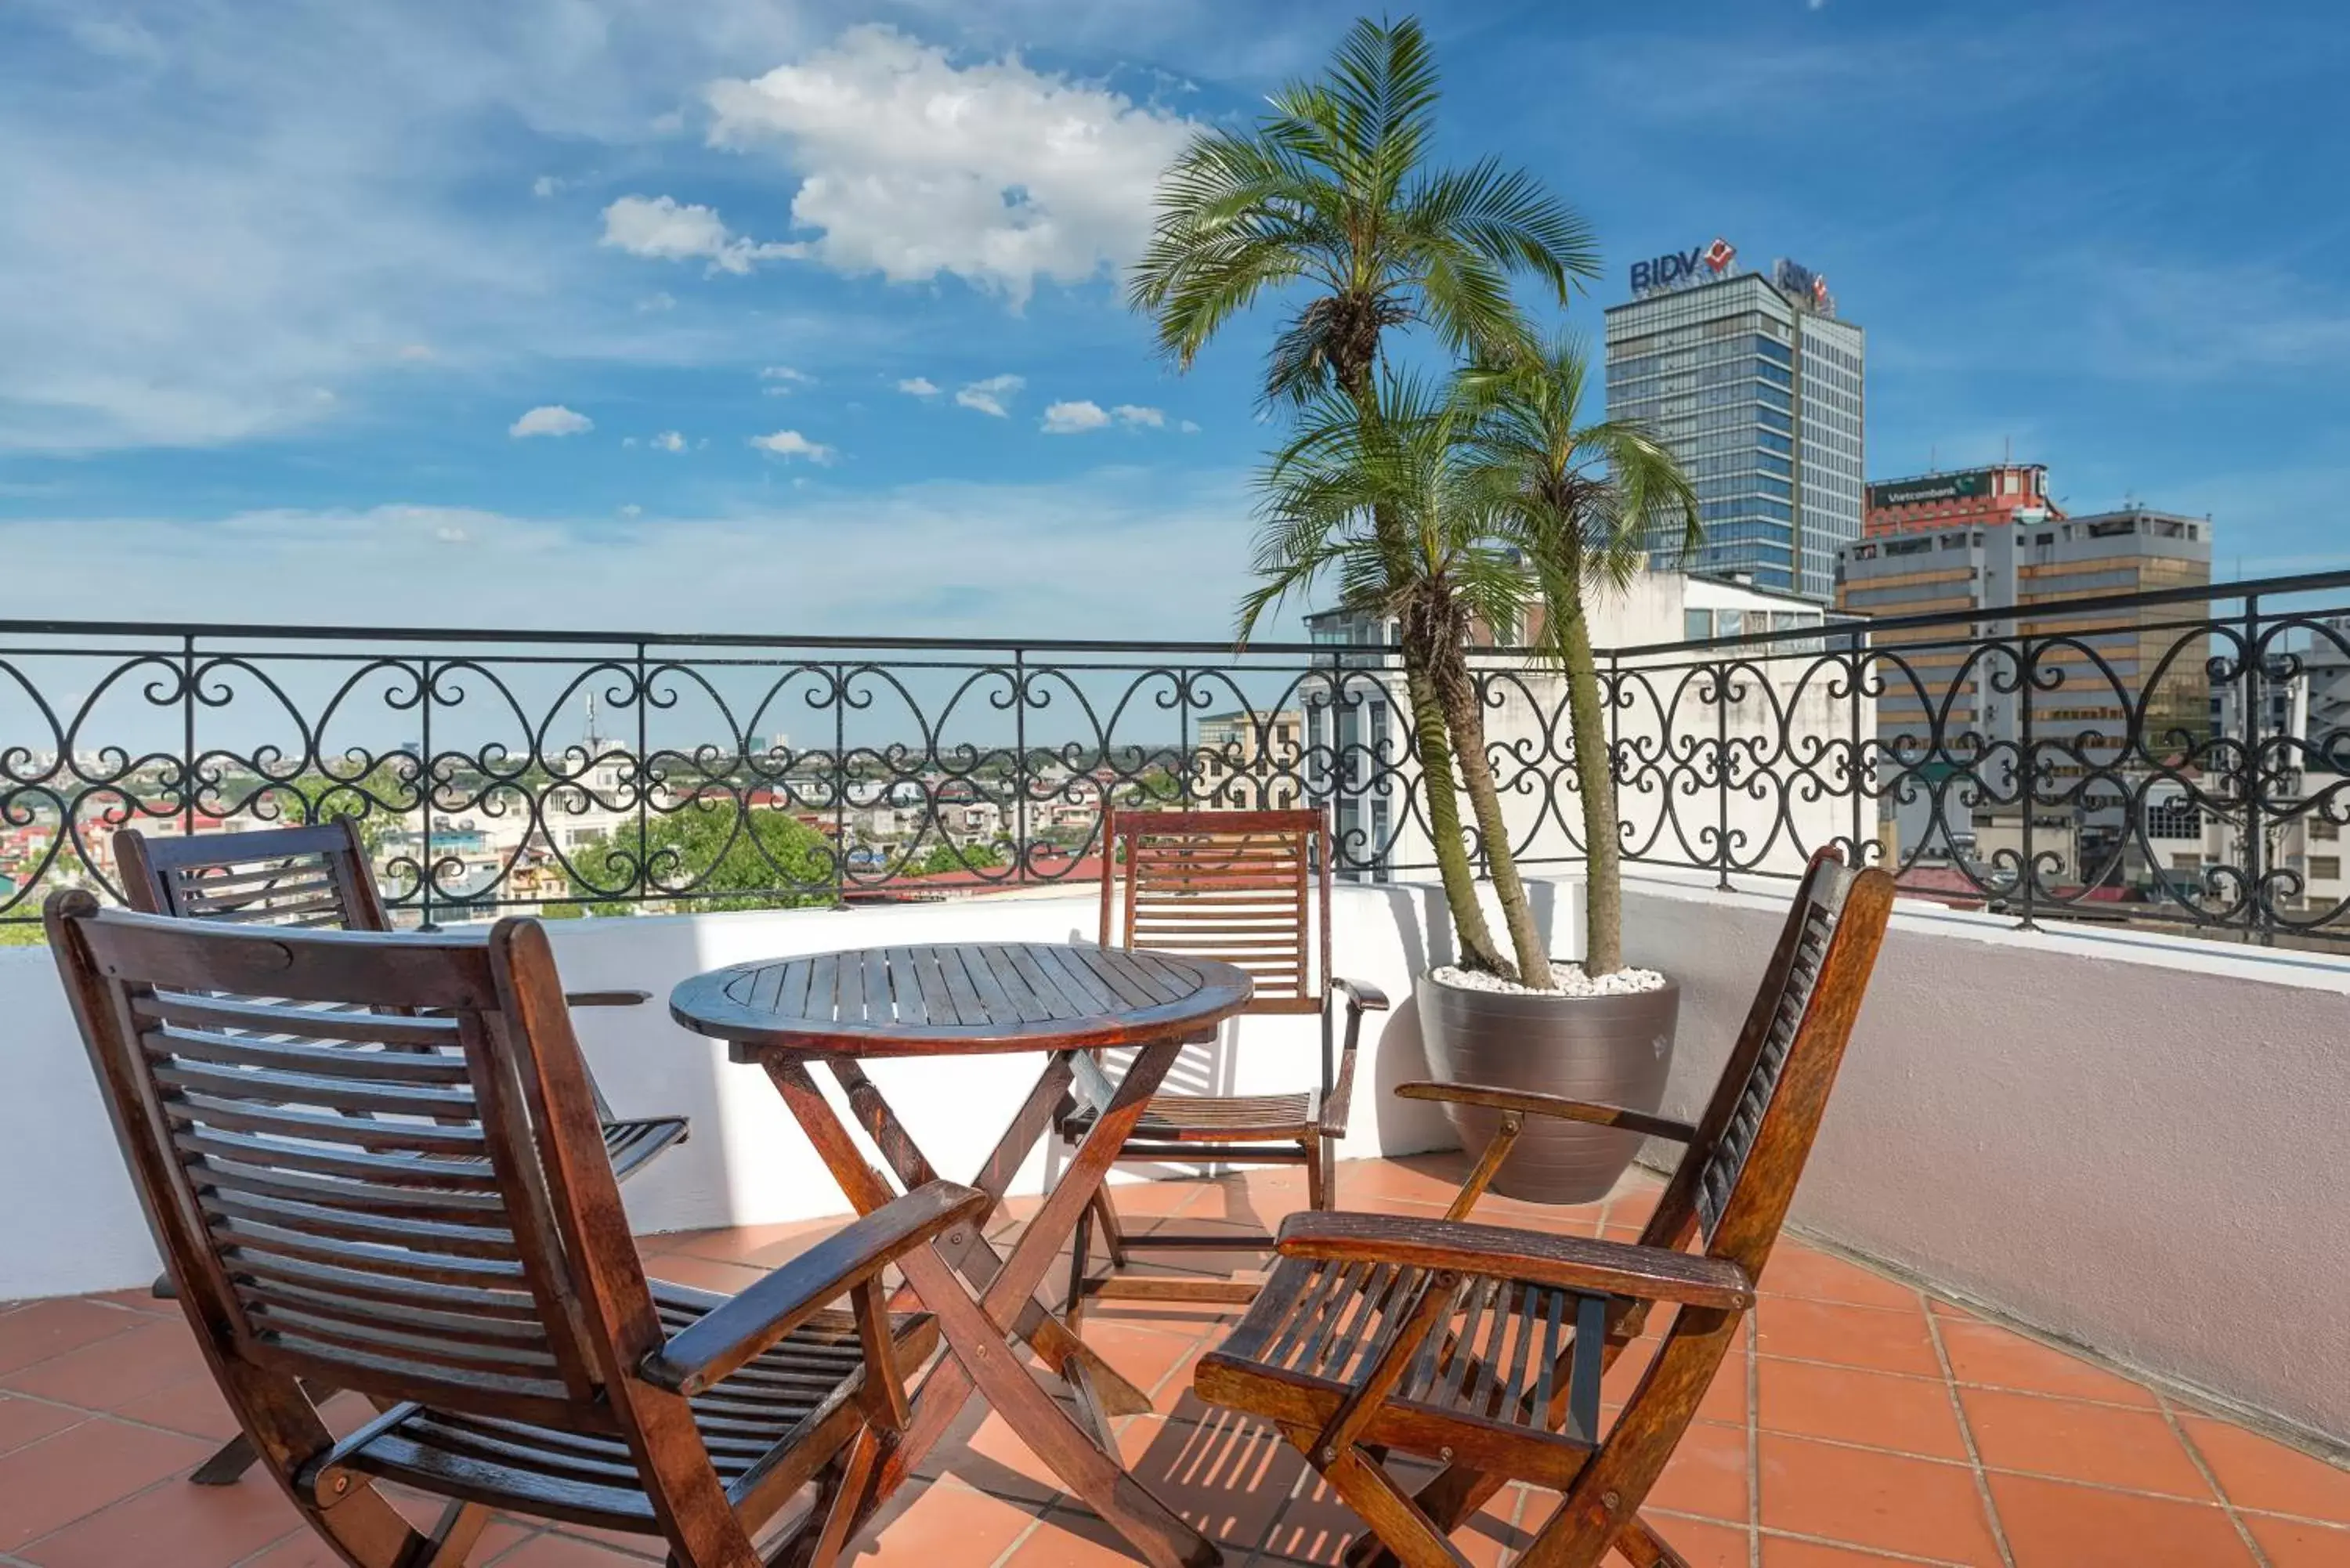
point(282, 284)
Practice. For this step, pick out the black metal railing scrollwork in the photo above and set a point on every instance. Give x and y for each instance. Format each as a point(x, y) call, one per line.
point(2176, 759)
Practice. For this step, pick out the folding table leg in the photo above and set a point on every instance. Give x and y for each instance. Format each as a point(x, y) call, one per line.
point(974, 1257)
point(983, 1362)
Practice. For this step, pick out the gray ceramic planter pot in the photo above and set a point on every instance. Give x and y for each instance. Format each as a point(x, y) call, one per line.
point(1613, 1049)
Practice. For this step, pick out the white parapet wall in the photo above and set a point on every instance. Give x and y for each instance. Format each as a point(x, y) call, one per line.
point(2132, 1142)
point(72, 1224)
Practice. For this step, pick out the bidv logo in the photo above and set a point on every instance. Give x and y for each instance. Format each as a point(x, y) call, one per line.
point(1680, 266)
point(1793, 277)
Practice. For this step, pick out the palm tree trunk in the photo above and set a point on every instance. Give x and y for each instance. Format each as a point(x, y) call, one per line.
point(1431, 739)
point(1465, 714)
point(1603, 891)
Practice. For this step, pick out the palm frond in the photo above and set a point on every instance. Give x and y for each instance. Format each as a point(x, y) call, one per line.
point(1506, 216)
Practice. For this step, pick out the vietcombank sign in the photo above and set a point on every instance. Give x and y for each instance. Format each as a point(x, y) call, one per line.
point(1964, 486)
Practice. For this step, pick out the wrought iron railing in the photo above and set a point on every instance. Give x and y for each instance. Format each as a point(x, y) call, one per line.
point(2172, 758)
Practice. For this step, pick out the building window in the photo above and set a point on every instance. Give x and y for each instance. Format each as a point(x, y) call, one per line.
point(2325, 868)
point(2187, 863)
point(2325, 828)
point(1697, 625)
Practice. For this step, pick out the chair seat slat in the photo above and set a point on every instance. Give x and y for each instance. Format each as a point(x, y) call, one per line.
point(439, 1350)
point(241, 1238)
point(198, 1111)
point(415, 1203)
point(434, 1172)
point(432, 1237)
point(352, 1060)
point(337, 1091)
point(294, 1020)
point(467, 1328)
point(402, 1294)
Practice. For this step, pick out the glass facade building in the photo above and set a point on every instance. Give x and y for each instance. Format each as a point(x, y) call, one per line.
point(1759, 390)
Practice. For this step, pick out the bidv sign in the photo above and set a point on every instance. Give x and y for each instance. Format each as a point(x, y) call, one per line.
point(1793, 277)
point(1674, 267)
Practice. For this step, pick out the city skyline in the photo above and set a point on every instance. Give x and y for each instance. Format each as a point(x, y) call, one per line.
point(566, 315)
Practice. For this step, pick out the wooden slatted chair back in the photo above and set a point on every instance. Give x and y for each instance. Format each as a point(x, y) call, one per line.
point(1693, 1202)
point(312, 877)
point(1733, 1186)
point(1249, 888)
point(333, 1135)
point(1766, 1130)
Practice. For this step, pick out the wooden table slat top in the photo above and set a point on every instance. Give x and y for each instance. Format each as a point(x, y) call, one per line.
point(955, 998)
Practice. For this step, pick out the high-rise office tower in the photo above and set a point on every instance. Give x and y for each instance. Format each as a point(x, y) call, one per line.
point(1756, 385)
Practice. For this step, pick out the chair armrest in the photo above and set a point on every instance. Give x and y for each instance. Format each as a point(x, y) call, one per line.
point(607, 998)
point(1577, 1263)
point(1529, 1102)
point(1361, 997)
point(732, 1334)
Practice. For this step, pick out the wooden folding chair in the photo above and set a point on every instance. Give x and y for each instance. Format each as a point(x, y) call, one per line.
point(1252, 888)
point(373, 1163)
point(1481, 1347)
point(316, 877)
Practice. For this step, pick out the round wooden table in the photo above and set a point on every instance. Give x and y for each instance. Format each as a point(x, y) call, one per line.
point(958, 998)
point(1065, 1000)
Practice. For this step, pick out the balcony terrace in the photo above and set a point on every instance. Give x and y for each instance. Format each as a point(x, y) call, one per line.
point(1868, 1421)
point(2067, 1287)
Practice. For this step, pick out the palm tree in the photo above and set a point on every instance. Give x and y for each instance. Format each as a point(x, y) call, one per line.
point(1583, 504)
point(1391, 502)
point(1331, 191)
point(1330, 196)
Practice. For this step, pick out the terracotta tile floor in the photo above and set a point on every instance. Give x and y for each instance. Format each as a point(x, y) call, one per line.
point(1862, 1424)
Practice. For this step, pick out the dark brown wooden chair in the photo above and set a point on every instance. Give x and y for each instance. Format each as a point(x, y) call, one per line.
point(1481, 1347)
point(373, 1162)
point(1253, 889)
point(316, 877)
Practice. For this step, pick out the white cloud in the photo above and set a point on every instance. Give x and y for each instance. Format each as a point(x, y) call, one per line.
point(1136, 414)
point(914, 167)
point(659, 300)
point(988, 397)
point(669, 440)
point(785, 373)
point(919, 387)
point(665, 229)
point(210, 210)
point(1189, 427)
point(1071, 418)
point(791, 445)
point(415, 352)
point(550, 419)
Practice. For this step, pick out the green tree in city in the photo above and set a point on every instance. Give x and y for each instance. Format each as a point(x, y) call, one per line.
point(730, 857)
point(944, 857)
point(1330, 198)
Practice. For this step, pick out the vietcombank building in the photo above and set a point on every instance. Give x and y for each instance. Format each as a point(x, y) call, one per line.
point(1756, 385)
